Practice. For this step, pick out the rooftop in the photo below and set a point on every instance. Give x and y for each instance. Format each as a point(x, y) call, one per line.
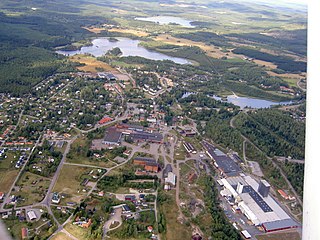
point(112, 135)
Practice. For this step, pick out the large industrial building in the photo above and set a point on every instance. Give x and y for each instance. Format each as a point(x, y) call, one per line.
point(225, 164)
point(256, 204)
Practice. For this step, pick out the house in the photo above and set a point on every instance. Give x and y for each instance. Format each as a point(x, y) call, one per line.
point(131, 198)
point(150, 229)
point(105, 120)
point(1, 195)
point(86, 224)
point(24, 233)
point(56, 198)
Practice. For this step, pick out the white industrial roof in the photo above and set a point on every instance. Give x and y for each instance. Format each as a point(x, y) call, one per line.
point(250, 207)
point(32, 215)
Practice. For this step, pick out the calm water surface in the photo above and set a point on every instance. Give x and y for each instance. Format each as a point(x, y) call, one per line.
point(129, 47)
point(162, 20)
point(243, 102)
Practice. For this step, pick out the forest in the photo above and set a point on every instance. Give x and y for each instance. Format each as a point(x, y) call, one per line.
point(285, 63)
point(274, 132)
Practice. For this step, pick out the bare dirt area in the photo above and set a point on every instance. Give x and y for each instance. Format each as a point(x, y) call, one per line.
point(129, 31)
point(94, 29)
point(284, 235)
point(91, 64)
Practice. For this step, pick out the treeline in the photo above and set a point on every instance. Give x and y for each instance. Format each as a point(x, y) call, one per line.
point(285, 63)
point(221, 227)
point(269, 170)
point(113, 183)
point(295, 41)
point(275, 134)
point(295, 174)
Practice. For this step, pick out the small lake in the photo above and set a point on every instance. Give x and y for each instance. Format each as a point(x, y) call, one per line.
point(163, 20)
point(128, 47)
point(243, 102)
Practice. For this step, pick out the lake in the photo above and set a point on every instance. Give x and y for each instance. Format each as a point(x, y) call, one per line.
point(129, 47)
point(162, 20)
point(243, 102)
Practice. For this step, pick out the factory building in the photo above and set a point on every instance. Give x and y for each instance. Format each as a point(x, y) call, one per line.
point(256, 204)
point(227, 166)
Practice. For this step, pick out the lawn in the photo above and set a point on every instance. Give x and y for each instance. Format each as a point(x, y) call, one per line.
point(69, 183)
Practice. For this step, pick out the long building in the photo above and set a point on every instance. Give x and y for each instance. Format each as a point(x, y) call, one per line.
point(149, 164)
point(225, 164)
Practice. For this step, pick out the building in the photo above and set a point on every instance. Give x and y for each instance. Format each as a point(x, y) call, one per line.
point(227, 166)
point(56, 198)
point(24, 233)
point(189, 148)
point(264, 188)
point(112, 137)
point(246, 234)
point(171, 179)
point(31, 215)
point(149, 164)
point(131, 198)
point(1, 195)
point(105, 120)
point(260, 210)
point(146, 137)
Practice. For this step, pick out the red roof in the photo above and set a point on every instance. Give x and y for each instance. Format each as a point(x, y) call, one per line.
point(105, 120)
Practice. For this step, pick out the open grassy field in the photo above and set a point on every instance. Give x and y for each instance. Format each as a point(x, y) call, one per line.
point(91, 64)
point(276, 236)
point(6, 179)
point(76, 231)
point(61, 236)
point(32, 188)
point(8, 172)
point(129, 31)
point(174, 229)
point(69, 183)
